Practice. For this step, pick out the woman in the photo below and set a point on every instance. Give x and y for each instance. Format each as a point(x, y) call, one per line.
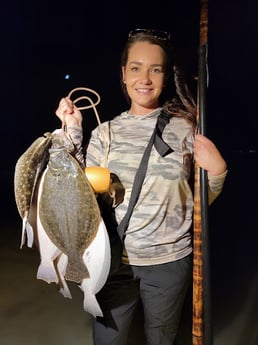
point(156, 261)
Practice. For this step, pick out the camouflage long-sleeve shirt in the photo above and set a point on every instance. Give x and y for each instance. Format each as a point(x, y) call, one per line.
point(160, 227)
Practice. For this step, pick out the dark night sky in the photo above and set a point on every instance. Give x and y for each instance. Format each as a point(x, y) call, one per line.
point(43, 41)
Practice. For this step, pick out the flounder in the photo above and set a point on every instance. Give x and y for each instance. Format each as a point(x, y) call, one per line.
point(53, 193)
point(68, 209)
point(28, 170)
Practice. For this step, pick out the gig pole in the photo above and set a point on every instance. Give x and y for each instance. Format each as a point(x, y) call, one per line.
point(201, 328)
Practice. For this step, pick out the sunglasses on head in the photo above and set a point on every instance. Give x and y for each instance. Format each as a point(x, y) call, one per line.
point(159, 34)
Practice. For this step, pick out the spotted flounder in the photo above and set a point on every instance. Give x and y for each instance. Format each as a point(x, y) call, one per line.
point(68, 209)
point(96, 257)
point(71, 236)
point(28, 170)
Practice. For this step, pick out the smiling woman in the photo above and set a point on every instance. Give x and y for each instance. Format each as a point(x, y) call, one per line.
point(45, 40)
point(144, 76)
point(157, 241)
point(156, 63)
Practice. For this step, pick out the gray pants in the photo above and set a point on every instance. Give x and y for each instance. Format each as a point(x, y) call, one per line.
point(161, 290)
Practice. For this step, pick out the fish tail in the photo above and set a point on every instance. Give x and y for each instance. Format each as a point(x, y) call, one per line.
point(27, 230)
point(61, 268)
point(90, 303)
point(47, 272)
point(64, 290)
point(76, 271)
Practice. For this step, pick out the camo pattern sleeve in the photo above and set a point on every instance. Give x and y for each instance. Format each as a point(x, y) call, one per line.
point(160, 227)
point(215, 184)
point(76, 136)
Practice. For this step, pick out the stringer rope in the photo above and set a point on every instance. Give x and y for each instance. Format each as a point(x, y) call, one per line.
point(92, 105)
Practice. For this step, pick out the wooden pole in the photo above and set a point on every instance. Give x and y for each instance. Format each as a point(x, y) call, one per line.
point(201, 328)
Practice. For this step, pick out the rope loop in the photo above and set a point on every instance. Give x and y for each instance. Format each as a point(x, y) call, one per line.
point(85, 97)
point(92, 105)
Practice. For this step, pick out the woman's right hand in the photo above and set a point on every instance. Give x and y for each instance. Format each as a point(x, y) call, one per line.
point(68, 113)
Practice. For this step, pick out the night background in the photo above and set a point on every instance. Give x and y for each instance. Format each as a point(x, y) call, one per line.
point(47, 49)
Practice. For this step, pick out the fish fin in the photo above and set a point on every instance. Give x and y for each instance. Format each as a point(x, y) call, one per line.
point(90, 303)
point(24, 221)
point(47, 272)
point(30, 235)
point(64, 290)
point(48, 251)
point(97, 258)
point(61, 268)
point(27, 231)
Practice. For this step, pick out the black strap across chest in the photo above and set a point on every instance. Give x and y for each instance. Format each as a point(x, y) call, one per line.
point(163, 149)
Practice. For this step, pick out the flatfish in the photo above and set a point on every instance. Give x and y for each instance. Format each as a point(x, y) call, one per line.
point(97, 258)
point(28, 169)
point(68, 209)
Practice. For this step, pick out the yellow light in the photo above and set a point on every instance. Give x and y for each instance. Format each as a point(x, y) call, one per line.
point(99, 178)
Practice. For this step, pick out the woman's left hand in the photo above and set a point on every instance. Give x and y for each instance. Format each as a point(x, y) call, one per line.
point(207, 156)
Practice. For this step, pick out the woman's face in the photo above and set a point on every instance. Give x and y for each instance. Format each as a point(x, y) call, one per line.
point(144, 76)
